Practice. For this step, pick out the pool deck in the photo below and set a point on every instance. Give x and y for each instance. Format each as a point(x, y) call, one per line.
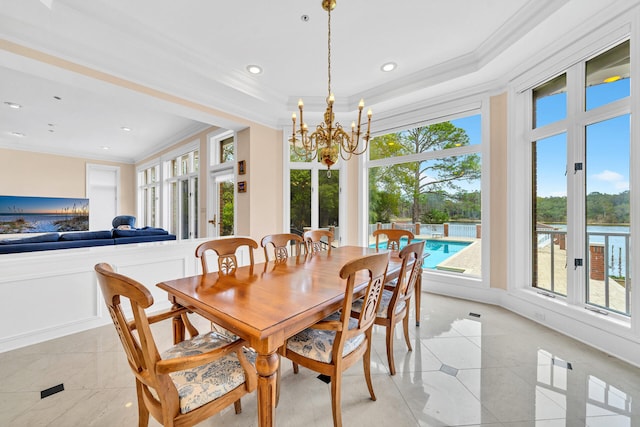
point(468, 261)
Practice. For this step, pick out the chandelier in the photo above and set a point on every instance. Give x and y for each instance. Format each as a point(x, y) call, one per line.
point(329, 139)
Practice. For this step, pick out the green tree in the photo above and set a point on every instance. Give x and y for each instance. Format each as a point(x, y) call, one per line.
point(329, 198)
point(300, 198)
point(226, 197)
point(384, 197)
point(418, 178)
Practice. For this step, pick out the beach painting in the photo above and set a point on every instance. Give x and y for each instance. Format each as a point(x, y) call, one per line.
point(20, 214)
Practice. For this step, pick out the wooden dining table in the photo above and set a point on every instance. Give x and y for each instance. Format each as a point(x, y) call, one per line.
point(270, 302)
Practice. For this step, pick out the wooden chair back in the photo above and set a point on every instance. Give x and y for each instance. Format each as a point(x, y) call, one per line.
point(226, 251)
point(375, 266)
point(314, 243)
point(393, 237)
point(157, 393)
point(280, 244)
point(410, 271)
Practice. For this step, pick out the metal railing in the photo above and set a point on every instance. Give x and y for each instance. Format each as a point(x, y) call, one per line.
point(606, 263)
point(434, 230)
point(608, 260)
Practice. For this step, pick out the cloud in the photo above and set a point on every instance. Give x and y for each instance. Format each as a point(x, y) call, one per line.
point(608, 176)
point(616, 180)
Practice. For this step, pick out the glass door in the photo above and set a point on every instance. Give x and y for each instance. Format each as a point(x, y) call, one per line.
point(222, 221)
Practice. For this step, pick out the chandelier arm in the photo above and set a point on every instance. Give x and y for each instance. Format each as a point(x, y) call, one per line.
point(305, 152)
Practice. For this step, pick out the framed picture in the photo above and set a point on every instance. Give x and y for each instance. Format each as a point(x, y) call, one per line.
point(26, 214)
point(242, 187)
point(242, 167)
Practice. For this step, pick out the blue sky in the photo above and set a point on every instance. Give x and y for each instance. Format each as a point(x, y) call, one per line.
point(607, 145)
point(472, 126)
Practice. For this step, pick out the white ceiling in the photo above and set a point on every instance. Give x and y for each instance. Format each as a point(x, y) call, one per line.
point(189, 61)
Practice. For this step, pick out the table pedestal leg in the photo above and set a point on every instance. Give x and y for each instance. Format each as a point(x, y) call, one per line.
point(267, 367)
point(178, 328)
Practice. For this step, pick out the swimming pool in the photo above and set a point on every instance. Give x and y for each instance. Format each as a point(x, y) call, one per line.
point(438, 250)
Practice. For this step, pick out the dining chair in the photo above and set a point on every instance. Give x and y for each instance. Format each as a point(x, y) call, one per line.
point(189, 382)
point(280, 245)
point(339, 341)
point(314, 243)
point(393, 237)
point(226, 250)
point(395, 300)
point(227, 263)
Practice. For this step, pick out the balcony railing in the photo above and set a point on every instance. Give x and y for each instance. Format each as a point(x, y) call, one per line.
point(608, 282)
point(608, 262)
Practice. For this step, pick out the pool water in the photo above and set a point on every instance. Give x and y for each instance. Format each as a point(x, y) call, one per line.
point(438, 250)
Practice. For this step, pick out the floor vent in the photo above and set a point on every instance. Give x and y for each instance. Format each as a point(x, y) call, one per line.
point(324, 378)
point(561, 363)
point(51, 390)
point(449, 370)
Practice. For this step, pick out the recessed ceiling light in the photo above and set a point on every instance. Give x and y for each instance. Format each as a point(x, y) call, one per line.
point(13, 105)
point(254, 69)
point(57, 98)
point(126, 129)
point(18, 134)
point(612, 79)
point(104, 147)
point(389, 66)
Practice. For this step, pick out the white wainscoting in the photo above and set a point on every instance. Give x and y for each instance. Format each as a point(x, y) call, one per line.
point(50, 294)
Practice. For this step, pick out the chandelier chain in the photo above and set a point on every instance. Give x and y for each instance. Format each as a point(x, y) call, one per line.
point(329, 52)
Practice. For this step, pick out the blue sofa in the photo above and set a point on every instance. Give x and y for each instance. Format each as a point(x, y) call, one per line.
point(82, 239)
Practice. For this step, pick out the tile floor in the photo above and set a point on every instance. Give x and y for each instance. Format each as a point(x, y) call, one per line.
point(497, 369)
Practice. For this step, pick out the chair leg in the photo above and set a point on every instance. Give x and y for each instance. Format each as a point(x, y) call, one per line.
point(391, 361)
point(366, 362)
point(295, 367)
point(405, 326)
point(237, 405)
point(336, 399)
point(143, 412)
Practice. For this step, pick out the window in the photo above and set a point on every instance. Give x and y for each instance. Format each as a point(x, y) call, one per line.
point(550, 101)
point(314, 195)
point(149, 197)
point(550, 213)
point(607, 77)
point(580, 183)
point(181, 180)
point(427, 179)
point(226, 150)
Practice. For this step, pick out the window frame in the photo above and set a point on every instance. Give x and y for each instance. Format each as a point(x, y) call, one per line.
point(438, 113)
point(215, 168)
point(571, 60)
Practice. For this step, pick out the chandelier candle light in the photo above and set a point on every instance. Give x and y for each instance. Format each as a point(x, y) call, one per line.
point(329, 139)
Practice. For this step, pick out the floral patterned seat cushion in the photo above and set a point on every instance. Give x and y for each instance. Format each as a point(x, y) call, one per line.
point(317, 344)
point(203, 384)
point(382, 307)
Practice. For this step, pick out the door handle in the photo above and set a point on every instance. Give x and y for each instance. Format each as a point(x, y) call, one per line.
point(213, 221)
